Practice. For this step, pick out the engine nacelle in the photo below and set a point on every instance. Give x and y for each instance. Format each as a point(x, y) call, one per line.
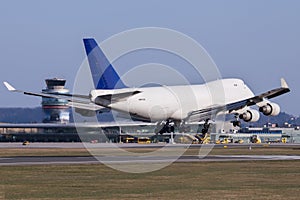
point(250, 116)
point(272, 109)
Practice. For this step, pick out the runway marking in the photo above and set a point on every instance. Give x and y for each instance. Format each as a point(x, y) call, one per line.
point(264, 157)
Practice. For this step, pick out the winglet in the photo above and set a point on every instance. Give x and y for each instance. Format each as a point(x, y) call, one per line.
point(283, 83)
point(9, 87)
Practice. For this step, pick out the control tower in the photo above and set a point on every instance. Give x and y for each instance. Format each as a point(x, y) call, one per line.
point(56, 110)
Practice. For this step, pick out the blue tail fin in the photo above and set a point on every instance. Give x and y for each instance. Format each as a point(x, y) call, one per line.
point(103, 73)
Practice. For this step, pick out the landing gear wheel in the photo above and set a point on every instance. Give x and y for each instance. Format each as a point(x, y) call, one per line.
point(167, 126)
point(205, 127)
point(236, 123)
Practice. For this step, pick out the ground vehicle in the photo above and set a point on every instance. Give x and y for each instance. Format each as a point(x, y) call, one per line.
point(255, 139)
point(144, 140)
point(130, 140)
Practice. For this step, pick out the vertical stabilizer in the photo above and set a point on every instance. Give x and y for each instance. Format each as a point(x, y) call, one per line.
point(103, 73)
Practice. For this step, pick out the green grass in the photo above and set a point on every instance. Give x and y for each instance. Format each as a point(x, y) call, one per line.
point(203, 180)
point(256, 151)
point(11, 152)
point(212, 180)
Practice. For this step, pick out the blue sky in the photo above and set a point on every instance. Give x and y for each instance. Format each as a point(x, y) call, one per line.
point(255, 40)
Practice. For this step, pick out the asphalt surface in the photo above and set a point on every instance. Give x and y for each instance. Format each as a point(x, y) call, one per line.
point(136, 158)
point(49, 160)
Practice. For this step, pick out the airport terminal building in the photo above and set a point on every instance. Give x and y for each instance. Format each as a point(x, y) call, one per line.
point(135, 132)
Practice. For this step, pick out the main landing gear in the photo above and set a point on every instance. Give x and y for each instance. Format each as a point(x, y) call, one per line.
point(206, 126)
point(204, 132)
point(236, 122)
point(167, 126)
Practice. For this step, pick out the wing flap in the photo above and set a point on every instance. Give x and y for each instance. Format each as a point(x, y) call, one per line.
point(85, 106)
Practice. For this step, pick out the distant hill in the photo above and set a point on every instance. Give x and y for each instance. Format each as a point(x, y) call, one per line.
point(280, 120)
point(21, 115)
point(36, 115)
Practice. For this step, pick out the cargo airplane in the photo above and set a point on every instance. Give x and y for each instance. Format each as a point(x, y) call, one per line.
point(162, 104)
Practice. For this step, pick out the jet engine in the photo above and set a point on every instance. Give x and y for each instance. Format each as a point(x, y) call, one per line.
point(272, 109)
point(250, 116)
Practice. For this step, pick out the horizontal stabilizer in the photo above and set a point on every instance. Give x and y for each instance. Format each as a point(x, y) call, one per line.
point(106, 97)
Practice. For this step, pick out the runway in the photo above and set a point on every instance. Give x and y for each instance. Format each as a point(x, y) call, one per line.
point(50, 160)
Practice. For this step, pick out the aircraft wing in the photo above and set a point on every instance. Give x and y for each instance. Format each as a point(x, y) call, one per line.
point(83, 102)
point(75, 99)
point(211, 112)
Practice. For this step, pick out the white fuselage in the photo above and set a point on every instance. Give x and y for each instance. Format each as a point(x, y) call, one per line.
point(176, 102)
